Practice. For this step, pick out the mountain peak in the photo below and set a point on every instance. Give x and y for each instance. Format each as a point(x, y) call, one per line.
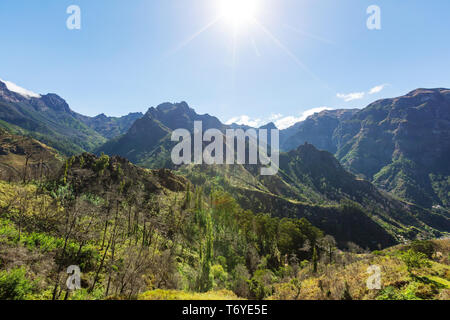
point(12, 87)
point(422, 91)
point(168, 106)
point(269, 126)
point(55, 102)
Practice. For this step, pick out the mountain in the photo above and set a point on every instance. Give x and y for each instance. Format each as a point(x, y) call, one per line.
point(148, 141)
point(111, 127)
point(222, 230)
point(317, 129)
point(312, 184)
point(49, 119)
point(25, 159)
point(402, 145)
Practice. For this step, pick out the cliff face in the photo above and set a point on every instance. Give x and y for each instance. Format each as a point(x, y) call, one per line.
point(402, 144)
point(317, 129)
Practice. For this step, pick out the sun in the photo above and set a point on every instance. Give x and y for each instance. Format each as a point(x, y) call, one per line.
point(238, 12)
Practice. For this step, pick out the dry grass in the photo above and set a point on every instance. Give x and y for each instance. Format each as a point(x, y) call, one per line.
point(181, 295)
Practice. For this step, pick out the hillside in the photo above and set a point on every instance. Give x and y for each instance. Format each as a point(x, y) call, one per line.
point(402, 144)
point(49, 119)
point(132, 230)
point(222, 232)
point(25, 159)
point(148, 143)
point(312, 184)
point(346, 277)
point(111, 127)
point(317, 130)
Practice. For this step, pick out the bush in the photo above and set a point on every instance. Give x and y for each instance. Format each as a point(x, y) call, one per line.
point(414, 260)
point(220, 276)
point(101, 164)
point(14, 285)
point(423, 246)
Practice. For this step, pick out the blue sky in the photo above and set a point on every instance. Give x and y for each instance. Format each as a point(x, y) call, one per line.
point(300, 55)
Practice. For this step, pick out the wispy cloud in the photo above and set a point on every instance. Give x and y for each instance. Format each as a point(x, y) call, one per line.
point(351, 96)
point(23, 92)
point(246, 121)
point(281, 121)
point(377, 89)
point(360, 95)
point(289, 121)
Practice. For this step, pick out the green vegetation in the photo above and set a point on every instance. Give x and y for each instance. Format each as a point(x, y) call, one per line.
point(14, 285)
point(178, 241)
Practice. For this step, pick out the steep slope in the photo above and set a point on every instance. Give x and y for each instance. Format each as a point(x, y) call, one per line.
point(111, 127)
point(24, 159)
point(148, 143)
point(312, 184)
point(403, 145)
point(47, 118)
point(317, 129)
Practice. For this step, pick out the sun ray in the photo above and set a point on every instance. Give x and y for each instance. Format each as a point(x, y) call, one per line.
point(255, 47)
point(290, 54)
point(196, 34)
point(309, 35)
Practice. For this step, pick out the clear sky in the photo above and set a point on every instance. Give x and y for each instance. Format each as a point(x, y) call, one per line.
point(284, 58)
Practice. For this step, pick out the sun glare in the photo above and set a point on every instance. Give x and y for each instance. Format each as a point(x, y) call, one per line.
point(238, 12)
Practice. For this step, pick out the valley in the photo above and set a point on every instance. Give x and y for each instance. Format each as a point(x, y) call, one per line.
point(102, 193)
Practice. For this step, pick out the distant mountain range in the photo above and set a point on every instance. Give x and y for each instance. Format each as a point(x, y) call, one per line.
point(401, 145)
point(49, 119)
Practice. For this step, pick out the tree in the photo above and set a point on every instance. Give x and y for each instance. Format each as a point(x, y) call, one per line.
point(414, 260)
point(328, 243)
point(14, 284)
point(315, 258)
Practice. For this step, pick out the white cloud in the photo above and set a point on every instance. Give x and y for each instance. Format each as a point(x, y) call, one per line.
point(274, 117)
point(246, 121)
point(23, 92)
point(282, 122)
point(351, 96)
point(377, 89)
point(289, 121)
point(360, 95)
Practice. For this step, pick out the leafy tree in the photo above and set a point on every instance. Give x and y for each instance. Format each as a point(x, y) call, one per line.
point(414, 260)
point(14, 285)
point(423, 246)
point(328, 243)
point(101, 164)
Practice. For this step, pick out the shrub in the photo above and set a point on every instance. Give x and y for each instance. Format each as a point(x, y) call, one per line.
point(220, 276)
point(14, 285)
point(414, 260)
point(423, 246)
point(101, 164)
point(389, 293)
